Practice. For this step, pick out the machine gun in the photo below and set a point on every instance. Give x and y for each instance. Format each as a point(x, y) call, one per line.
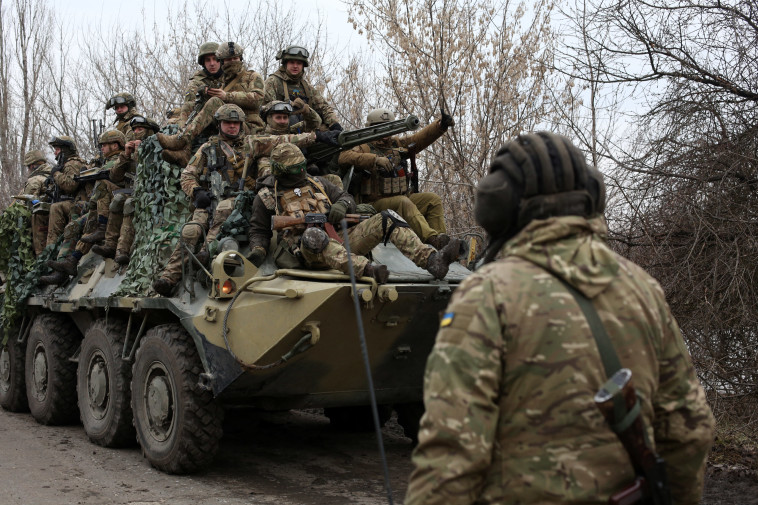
point(320, 153)
point(92, 175)
point(651, 486)
point(96, 131)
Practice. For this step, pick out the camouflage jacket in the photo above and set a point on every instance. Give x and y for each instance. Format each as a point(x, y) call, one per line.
point(298, 88)
point(201, 79)
point(246, 90)
point(267, 204)
point(197, 171)
point(259, 148)
point(122, 124)
point(123, 170)
point(65, 178)
point(35, 183)
point(509, 385)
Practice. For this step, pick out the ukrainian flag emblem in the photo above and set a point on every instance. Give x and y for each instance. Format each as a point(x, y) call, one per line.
point(447, 319)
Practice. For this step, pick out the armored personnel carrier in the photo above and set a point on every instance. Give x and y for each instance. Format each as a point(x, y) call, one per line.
point(130, 364)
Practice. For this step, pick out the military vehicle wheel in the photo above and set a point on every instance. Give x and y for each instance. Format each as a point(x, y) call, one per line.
point(408, 417)
point(50, 375)
point(12, 386)
point(178, 423)
point(103, 381)
point(356, 418)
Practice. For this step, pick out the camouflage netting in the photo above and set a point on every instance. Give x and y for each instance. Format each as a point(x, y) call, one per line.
point(161, 208)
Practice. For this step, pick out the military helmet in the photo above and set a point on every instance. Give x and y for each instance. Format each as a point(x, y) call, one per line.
point(33, 157)
point(109, 136)
point(287, 159)
point(144, 122)
point(275, 106)
point(294, 53)
point(229, 112)
point(63, 141)
point(228, 50)
point(205, 50)
point(121, 99)
point(380, 115)
point(536, 176)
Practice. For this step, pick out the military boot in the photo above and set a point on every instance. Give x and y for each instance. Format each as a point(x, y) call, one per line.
point(438, 241)
point(164, 287)
point(106, 251)
point(55, 278)
point(173, 142)
point(438, 262)
point(378, 272)
point(122, 258)
point(97, 235)
point(67, 265)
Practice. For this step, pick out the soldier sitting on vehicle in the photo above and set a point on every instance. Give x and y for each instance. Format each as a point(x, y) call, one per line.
point(385, 181)
point(289, 191)
point(224, 159)
point(111, 145)
point(124, 105)
point(240, 87)
point(67, 197)
point(119, 232)
point(39, 171)
point(288, 84)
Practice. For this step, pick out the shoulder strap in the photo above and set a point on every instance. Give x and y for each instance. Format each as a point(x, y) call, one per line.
point(320, 187)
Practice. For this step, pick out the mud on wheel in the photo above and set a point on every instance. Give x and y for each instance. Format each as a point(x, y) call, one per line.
point(12, 386)
point(178, 423)
point(50, 375)
point(103, 381)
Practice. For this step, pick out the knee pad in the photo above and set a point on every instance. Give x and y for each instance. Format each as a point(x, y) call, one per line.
point(314, 240)
point(192, 231)
point(129, 207)
point(117, 204)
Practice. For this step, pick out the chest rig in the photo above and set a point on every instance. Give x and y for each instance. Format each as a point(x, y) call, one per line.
point(382, 184)
point(291, 92)
point(222, 159)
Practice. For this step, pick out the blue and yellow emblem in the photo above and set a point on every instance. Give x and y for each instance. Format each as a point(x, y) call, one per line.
point(447, 319)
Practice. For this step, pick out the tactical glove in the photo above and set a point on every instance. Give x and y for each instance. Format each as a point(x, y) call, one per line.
point(383, 165)
point(202, 198)
point(299, 106)
point(336, 127)
point(257, 256)
point(329, 138)
point(446, 120)
point(365, 208)
point(337, 214)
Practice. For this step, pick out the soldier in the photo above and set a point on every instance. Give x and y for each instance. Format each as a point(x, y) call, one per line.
point(289, 191)
point(240, 87)
point(288, 84)
point(510, 384)
point(124, 106)
point(210, 76)
point(112, 143)
point(119, 233)
point(66, 196)
point(225, 155)
point(386, 183)
point(39, 171)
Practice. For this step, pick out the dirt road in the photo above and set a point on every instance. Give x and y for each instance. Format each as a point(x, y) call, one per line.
point(292, 458)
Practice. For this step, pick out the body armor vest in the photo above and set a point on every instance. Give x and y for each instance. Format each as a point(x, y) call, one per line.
point(380, 185)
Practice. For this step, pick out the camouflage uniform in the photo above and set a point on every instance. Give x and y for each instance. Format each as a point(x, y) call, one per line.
point(423, 211)
point(510, 384)
point(281, 86)
point(61, 212)
point(35, 186)
point(273, 200)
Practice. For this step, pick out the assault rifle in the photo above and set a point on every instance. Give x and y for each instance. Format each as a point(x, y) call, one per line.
point(650, 486)
point(92, 175)
point(96, 132)
point(311, 219)
point(318, 153)
point(52, 190)
point(200, 99)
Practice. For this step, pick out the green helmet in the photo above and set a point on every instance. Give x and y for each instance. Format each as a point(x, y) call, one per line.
point(205, 50)
point(228, 50)
point(112, 136)
point(380, 115)
point(536, 176)
point(294, 53)
point(121, 99)
point(144, 122)
point(229, 112)
point(33, 157)
point(287, 159)
point(275, 106)
point(63, 141)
